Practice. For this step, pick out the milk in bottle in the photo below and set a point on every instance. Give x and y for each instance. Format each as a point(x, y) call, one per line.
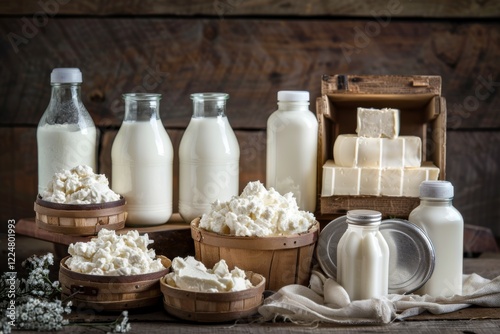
point(208, 157)
point(292, 139)
point(142, 162)
point(66, 134)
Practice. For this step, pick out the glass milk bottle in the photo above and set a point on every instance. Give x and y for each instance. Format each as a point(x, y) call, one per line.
point(363, 256)
point(142, 162)
point(292, 140)
point(208, 157)
point(66, 135)
point(444, 225)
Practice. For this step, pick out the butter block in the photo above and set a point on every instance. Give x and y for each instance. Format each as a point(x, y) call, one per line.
point(353, 151)
point(369, 183)
point(414, 176)
point(340, 180)
point(391, 182)
point(377, 123)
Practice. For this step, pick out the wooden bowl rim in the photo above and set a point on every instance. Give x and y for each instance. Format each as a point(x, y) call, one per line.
point(95, 206)
point(255, 243)
point(224, 295)
point(117, 279)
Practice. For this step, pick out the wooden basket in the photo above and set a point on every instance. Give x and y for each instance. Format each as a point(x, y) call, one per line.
point(112, 293)
point(214, 306)
point(80, 219)
point(282, 260)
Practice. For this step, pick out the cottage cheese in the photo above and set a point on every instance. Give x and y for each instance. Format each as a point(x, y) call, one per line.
point(257, 212)
point(114, 255)
point(79, 185)
point(190, 274)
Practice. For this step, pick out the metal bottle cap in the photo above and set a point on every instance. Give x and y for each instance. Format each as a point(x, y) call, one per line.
point(411, 260)
point(364, 217)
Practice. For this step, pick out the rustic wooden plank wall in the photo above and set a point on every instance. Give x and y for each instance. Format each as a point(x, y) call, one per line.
point(249, 49)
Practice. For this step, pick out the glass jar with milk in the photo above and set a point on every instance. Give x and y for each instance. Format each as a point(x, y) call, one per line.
point(208, 157)
point(363, 256)
point(66, 134)
point(142, 162)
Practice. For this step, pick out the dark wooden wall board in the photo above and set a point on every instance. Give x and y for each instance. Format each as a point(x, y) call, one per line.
point(251, 59)
point(228, 8)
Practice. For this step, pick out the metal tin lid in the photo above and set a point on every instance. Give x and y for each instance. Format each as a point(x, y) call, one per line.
point(411, 260)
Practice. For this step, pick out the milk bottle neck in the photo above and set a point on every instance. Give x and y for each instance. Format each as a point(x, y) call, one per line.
point(442, 202)
point(293, 106)
point(209, 104)
point(141, 107)
point(66, 107)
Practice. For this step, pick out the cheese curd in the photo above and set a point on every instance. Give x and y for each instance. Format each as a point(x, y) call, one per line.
point(190, 274)
point(79, 185)
point(114, 255)
point(257, 212)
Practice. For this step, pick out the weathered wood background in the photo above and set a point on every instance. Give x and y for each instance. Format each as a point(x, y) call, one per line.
point(249, 49)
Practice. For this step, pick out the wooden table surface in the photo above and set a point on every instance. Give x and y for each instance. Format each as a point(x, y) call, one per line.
point(156, 320)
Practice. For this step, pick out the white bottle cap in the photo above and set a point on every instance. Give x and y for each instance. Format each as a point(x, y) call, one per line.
point(66, 75)
point(293, 95)
point(436, 189)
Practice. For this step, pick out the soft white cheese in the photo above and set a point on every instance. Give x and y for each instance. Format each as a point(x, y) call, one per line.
point(190, 274)
point(377, 123)
point(79, 185)
point(114, 255)
point(257, 212)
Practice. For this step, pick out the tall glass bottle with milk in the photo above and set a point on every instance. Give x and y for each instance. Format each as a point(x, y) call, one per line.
point(444, 225)
point(142, 162)
point(292, 140)
point(363, 256)
point(66, 134)
point(209, 157)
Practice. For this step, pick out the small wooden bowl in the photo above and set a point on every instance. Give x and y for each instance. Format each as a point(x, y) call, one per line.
point(214, 306)
point(112, 293)
point(80, 219)
point(282, 260)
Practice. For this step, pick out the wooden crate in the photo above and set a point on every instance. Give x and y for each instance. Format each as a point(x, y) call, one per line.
point(423, 114)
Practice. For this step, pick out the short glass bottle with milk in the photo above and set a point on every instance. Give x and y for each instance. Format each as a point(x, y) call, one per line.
point(66, 134)
point(363, 256)
point(444, 225)
point(142, 162)
point(208, 157)
point(291, 149)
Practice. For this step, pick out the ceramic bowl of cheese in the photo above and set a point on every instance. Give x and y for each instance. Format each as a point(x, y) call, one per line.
point(112, 293)
point(80, 219)
point(205, 299)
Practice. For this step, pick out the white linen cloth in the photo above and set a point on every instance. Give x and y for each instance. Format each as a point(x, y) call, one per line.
point(301, 304)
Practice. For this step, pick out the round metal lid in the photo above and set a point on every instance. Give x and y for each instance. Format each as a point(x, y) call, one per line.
point(411, 260)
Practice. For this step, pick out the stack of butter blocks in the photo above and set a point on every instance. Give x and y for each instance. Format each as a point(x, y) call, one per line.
point(376, 161)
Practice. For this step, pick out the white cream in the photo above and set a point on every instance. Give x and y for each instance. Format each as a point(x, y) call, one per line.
point(257, 212)
point(190, 274)
point(111, 254)
point(79, 185)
